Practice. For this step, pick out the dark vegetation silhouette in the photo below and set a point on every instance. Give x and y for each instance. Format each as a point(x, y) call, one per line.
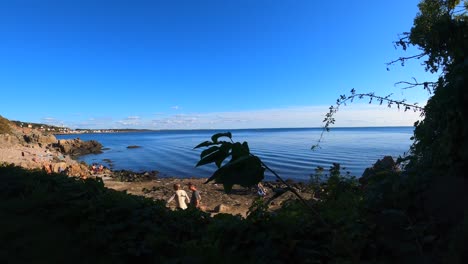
point(416, 215)
point(428, 199)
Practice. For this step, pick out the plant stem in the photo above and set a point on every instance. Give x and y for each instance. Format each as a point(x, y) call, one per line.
point(296, 193)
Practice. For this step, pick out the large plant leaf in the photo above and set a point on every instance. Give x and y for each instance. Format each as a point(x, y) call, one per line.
point(215, 154)
point(239, 150)
point(208, 151)
point(225, 148)
point(215, 137)
point(205, 144)
point(246, 146)
point(213, 157)
point(246, 171)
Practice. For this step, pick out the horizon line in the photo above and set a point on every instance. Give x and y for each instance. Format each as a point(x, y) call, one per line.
point(261, 128)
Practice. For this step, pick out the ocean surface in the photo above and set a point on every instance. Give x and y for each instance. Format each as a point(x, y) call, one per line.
point(285, 150)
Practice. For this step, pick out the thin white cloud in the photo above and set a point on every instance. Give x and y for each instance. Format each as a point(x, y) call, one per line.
point(130, 121)
point(93, 122)
point(352, 115)
point(175, 107)
point(52, 121)
point(49, 119)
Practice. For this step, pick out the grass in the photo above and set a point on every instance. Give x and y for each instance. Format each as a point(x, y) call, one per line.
point(4, 126)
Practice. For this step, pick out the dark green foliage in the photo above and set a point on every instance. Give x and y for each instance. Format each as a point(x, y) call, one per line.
point(243, 168)
point(52, 218)
point(67, 220)
point(423, 211)
point(418, 215)
point(439, 155)
point(245, 171)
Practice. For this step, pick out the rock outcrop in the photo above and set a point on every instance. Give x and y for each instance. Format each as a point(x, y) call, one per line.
point(77, 147)
point(78, 170)
point(385, 165)
point(40, 139)
point(13, 135)
point(36, 149)
point(7, 140)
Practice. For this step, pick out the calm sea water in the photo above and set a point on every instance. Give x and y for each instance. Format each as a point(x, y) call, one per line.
point(286, 150)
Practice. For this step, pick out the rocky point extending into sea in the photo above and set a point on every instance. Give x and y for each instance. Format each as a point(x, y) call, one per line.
point(35, 149)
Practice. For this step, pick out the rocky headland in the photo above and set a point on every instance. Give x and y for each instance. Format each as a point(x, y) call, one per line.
point(35, 149)
point(77, 147)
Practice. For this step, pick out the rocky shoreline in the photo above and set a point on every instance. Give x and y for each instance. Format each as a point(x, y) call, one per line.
point(33, 149)
point(214, 199)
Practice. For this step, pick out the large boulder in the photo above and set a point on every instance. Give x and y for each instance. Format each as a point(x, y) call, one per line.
point(385, 165)
point(40, 139)
point(77, 147)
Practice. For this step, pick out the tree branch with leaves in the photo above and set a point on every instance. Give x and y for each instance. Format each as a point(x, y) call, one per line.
point(329, 119)
point(244, 168)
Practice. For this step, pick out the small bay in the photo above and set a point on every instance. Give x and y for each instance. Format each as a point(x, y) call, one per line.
point(285, 150)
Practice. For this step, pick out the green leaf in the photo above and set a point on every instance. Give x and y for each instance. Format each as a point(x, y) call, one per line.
point(205, 144)
point(215, 137)
point(240, 160)
point(246, 171)
point(239, 150)
point(215, 154)
point(225, 148)
point(213, 157)
point(208, 151)
point(246, 146)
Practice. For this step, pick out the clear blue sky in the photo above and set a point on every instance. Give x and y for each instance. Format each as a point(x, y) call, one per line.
point(201, 64)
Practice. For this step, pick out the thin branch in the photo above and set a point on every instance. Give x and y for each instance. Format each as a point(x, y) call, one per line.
point(292, 190)
point(403, 59)
point(330, 120)
point(297, 194)
point(403, 41)
point(429, 86)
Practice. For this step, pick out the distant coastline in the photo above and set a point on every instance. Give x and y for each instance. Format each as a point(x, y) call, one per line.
point(63, 130)
point(286, 149)
point(99, 131)
point(133, 130)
